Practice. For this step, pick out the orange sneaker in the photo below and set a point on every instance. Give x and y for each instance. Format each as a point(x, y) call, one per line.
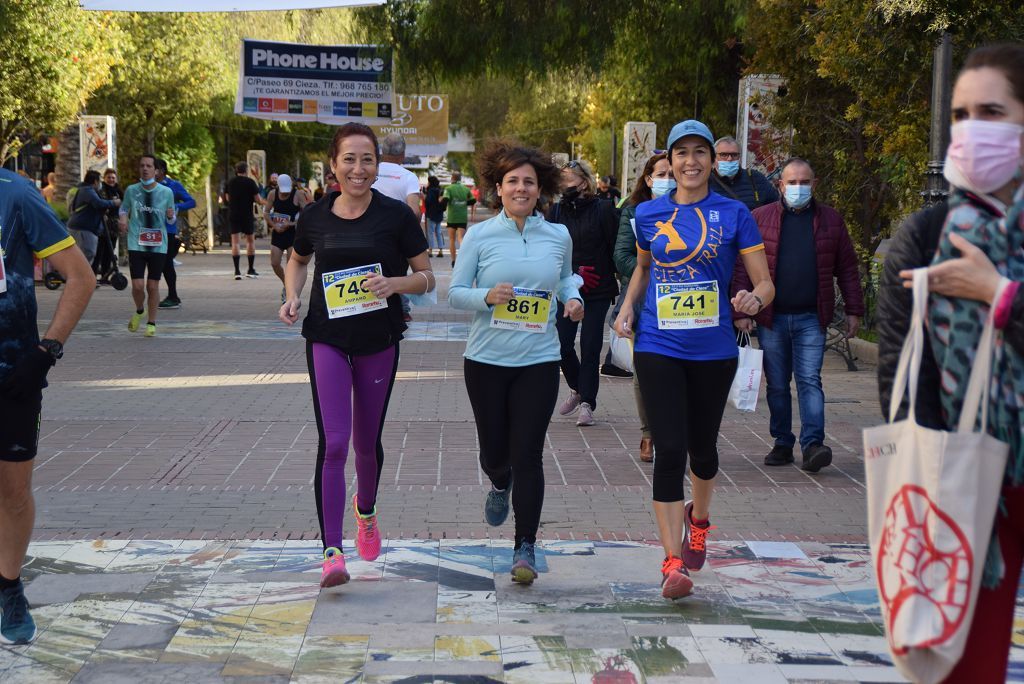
point(368, 534)
point(334, 572)
point(675, 581)
point(695, 550)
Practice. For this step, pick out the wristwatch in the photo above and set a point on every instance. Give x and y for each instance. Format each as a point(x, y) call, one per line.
point(54, 348)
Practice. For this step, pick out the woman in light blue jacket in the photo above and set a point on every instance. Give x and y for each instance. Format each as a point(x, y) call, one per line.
point(510, 271)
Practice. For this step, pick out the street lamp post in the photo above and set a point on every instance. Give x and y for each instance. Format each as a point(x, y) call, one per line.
point(936, 186)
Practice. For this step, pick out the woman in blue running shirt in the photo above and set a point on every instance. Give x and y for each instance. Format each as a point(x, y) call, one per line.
point(685, 355)
point(511, 270)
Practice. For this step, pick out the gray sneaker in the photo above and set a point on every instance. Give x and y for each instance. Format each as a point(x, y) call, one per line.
point(496, 505)
point(571, 403)
point(524, 564)
point(16, 624)
point(586, 418)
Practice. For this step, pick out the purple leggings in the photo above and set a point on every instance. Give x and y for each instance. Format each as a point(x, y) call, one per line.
point(336, 377)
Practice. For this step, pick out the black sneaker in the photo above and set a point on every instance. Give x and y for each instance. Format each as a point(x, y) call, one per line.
point(169, 303)
point(496, 505)
point(816, 457)
point(779, 455)
point(612, 371)
point(252, 274)
point(238, 276)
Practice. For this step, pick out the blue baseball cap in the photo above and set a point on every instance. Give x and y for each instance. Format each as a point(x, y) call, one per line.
point(690, 127)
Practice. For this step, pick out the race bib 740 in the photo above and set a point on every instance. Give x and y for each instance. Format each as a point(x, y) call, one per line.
point(346, 294)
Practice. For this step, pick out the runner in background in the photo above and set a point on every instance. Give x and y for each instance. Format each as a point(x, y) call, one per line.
point(364, 244)
point(282, 211)
point(146, 208)
point(512, 268)
point(242, 192)
point(182, 202)
point(434, 213)
point(456, 199)
point(685, 354)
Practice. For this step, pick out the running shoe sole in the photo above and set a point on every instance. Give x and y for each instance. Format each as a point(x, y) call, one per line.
point(522, 573)
point(19, 642)
point(335, 578)
point(677, 585)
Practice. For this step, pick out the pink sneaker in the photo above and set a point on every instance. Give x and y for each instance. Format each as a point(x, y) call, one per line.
point(334, 573)
point(571, 403)
point(368, 535)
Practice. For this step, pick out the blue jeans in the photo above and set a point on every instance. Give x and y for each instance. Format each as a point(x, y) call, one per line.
point(795, 346)
point(434, 231)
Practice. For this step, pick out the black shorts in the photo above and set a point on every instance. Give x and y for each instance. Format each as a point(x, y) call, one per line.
point(19, 429)
point(283, 240)
point(242, 225)
point(140, 262)
point(457, 225)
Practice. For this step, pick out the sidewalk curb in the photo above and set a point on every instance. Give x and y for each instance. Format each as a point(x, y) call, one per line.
point(864, 350)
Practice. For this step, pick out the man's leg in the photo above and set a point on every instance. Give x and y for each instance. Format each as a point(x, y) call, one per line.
point(778, 370)
point(275, 261)
point(452, 246)
point(250, 252)
point(153, 294)
point(235, 256)
point(170, 275)
point(808, 355)
point(17, 515)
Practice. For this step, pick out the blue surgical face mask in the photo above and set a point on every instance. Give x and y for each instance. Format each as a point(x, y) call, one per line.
point(728, 168)
point(662, 186)
point(149, 182)
point(797, 196)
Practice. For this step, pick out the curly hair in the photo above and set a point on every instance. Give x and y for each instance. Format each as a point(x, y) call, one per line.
point(501, 156)
point(348, 130)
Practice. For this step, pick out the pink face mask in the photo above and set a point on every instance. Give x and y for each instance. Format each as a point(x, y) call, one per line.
point(983, 156)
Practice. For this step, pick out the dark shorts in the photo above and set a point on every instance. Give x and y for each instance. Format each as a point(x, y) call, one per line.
point(140, 262)
point(457, 225)
point(242, 225)
point(19, 429)
point(283, 240)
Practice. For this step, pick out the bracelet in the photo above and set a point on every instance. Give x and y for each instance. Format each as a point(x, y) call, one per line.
point(427, 278)
point(760, 303)
point(1005, 303)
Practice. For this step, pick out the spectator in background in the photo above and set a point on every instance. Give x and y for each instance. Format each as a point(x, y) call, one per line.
point(746, 185)
point(270, 186)
point(106, 250)
point(606, 190)
point(182, 202)
point(398, 182)
point(86, 214)
point(434, 213)
point(50, 188)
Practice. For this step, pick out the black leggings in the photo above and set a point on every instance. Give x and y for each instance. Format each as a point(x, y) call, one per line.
point(170, 275)
point(684, 401)
point(513, 407)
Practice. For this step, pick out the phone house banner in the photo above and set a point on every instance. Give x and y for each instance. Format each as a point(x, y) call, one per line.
point(327, 83)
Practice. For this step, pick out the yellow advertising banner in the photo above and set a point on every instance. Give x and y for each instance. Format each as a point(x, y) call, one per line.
point(423, 120)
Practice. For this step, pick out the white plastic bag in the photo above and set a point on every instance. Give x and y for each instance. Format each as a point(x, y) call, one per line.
point(622, 351)
point(746, 384)
point(932, 499)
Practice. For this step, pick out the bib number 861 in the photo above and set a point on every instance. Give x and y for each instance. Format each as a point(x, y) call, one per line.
point(522, 306)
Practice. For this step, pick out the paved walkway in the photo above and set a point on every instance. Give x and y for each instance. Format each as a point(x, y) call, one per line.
point(204, 436)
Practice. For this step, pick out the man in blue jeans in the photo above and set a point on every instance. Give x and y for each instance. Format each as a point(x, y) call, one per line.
point(807, 246)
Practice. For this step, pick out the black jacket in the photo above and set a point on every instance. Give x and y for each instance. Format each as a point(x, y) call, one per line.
point(593, 225)
point(88, 209)
point(913, 246)
point(748, 186)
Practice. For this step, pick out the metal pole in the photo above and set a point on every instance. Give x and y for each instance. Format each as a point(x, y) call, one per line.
point(615, 151)
point(936, 187)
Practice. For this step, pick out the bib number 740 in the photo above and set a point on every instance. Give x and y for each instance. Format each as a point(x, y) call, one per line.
point(345, 291)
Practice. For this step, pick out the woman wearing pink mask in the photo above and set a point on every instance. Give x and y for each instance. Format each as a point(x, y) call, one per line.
point(970, 244)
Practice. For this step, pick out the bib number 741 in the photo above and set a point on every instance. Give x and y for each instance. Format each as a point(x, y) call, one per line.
point(687, 306)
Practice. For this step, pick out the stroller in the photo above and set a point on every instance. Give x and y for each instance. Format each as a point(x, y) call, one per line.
point(53, 280)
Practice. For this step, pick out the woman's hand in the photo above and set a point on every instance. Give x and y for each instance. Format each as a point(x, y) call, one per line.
point(289, 312)
point(381, 287)
point(746, 302)
point(624, 322)
point(574, 310)
point(972, 276)
point(499, 294)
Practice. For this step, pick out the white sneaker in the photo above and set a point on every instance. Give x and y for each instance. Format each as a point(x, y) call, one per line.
point(586, 418)
point(176, 262)
point(571, 403)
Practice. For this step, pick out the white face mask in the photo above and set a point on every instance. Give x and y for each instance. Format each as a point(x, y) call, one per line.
point(662, 186)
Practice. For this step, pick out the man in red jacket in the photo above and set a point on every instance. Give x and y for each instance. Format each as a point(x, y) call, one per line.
point(807, 245)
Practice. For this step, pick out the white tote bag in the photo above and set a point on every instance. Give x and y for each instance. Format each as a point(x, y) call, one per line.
point(932, 499)
point(746, 384)
point(622, 350)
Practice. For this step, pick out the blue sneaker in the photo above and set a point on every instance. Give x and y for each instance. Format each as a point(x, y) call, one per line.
point(16, 624)
point(524, 564)
point(496, 505)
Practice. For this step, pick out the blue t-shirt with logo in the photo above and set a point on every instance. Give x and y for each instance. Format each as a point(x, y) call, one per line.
point(28, 228)
point(693, 250)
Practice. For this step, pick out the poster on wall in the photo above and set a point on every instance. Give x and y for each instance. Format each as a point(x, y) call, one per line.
point(639, 142)
point(331, 84)
point(423, 122)
point(97, 144)
point(762, 146)
point(257, 161)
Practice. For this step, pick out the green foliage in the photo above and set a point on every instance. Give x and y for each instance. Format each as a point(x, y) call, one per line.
point(52, 57)
point(190, 155)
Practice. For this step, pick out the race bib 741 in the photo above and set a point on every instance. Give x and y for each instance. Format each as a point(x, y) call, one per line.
point(687, 306)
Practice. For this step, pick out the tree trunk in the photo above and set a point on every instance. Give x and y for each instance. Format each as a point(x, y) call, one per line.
point(69, 161)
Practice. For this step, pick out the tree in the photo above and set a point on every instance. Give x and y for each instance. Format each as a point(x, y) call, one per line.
point(53, 56)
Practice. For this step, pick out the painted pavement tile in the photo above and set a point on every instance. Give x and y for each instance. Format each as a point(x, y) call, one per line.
point(251, 556)
point(669, 657)
point(331, 659)
point(536, 660)
point(208, 641)
point(201, 557)
point(776, 550)
point(72, 637)
point(144, 556)
point(94, 554)
point(391, 654)
point(570, 548)
point(761, 673)
point(299, 555)
point(45, 615)
point(467, 568)
point(411, 560)
point(61, 650)
point(164, 601)
point(725, 553)
point(819, 673)
point(476, 648)
point(554, 595)
point(278, 619)
point(263, 655)
point(51, 550)
point(605, 664)
point(32, 672)
point(478, 607)
point(858, 649)
point(503, 559)
point(288, 593)
point(797, 649)
point(734, 650)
